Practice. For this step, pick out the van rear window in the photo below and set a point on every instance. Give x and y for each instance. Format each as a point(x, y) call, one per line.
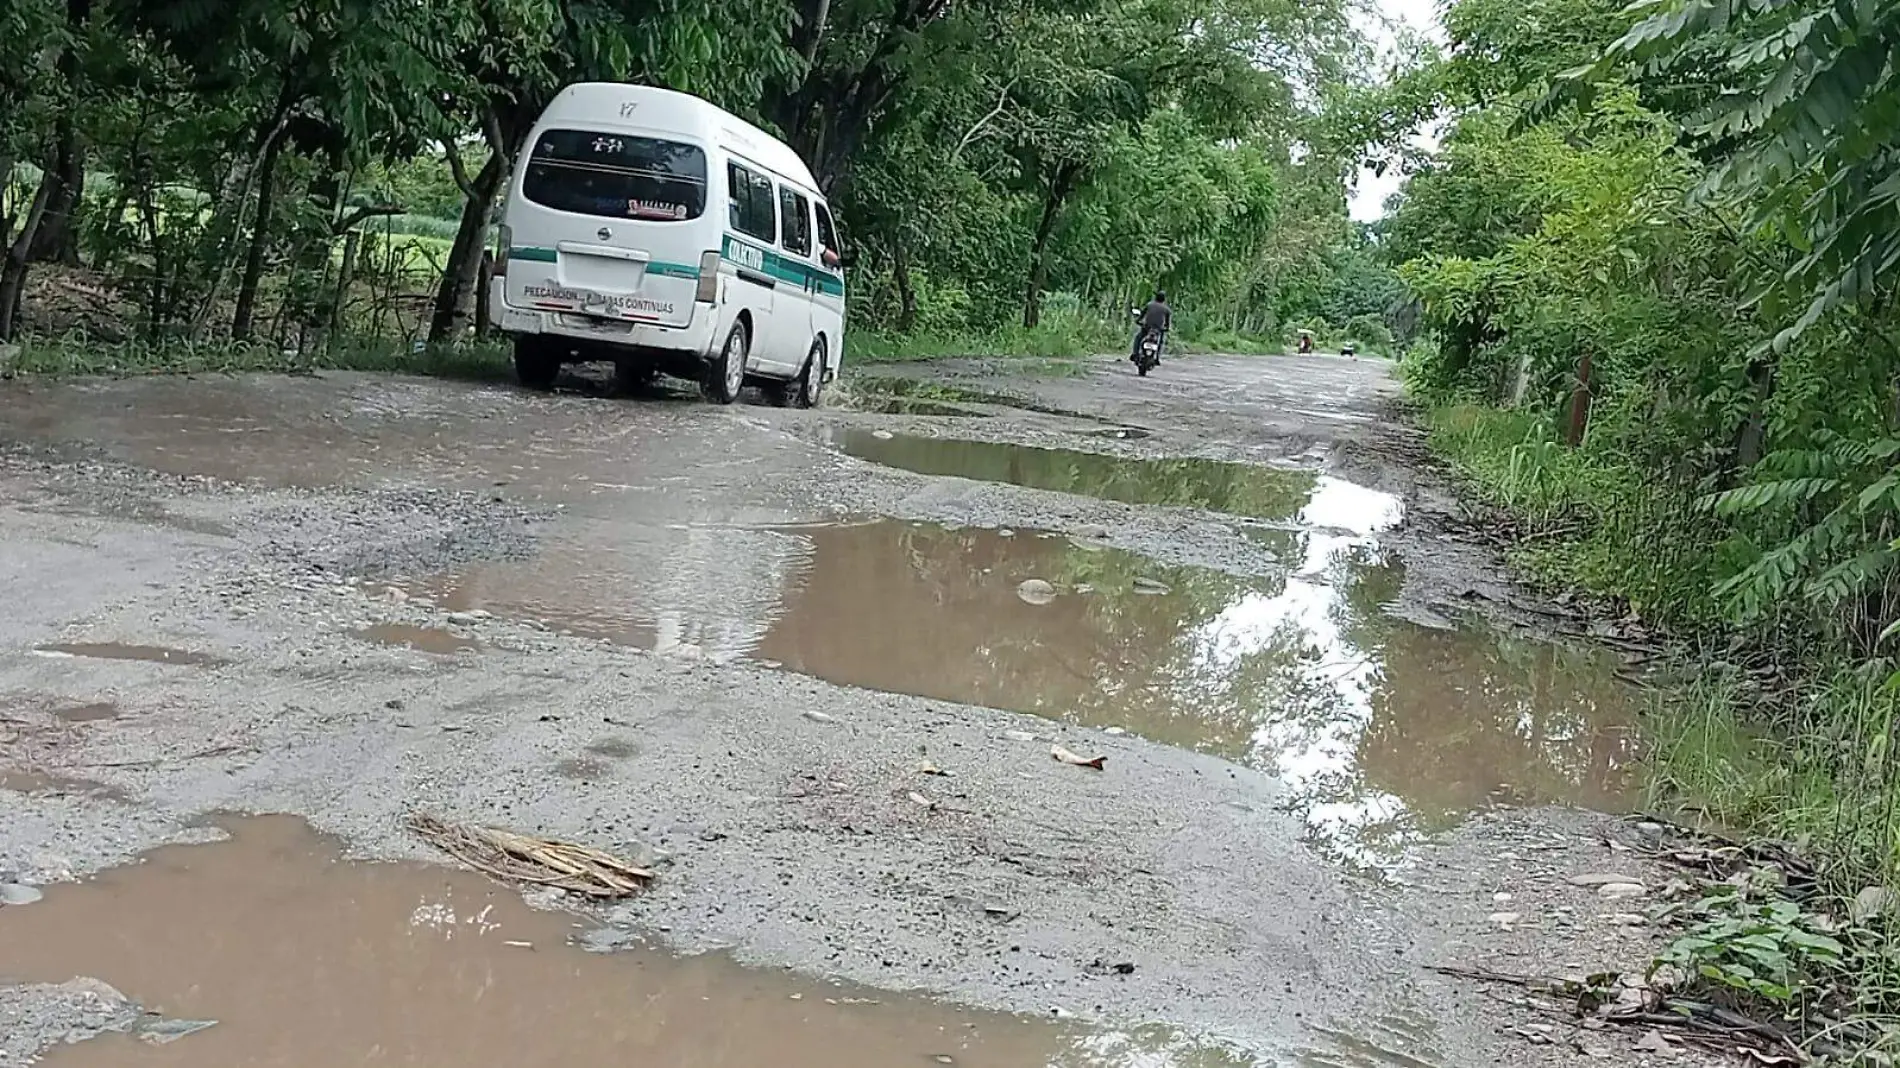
point(616, 176)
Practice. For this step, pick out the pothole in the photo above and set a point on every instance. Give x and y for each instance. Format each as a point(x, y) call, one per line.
point(46, 783)
point(422, 639)
point(901, 395)
point(1379, 730)
point(290, 949)
point(1246, 490)
point(156, 654)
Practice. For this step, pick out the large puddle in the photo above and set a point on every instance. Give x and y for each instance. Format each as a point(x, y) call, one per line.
point(1237, 489)
point(906, 396)
point(304, 959)
point(1381, 730)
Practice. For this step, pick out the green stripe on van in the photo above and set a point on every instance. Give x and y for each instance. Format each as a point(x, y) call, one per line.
point(548, 255)
point(783, 268)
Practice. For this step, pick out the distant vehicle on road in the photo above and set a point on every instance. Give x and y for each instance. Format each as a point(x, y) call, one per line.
point(651, 229)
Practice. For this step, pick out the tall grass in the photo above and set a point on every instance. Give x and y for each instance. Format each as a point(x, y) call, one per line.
point(1067, 330)
point(75, 355)
point(1793, 744)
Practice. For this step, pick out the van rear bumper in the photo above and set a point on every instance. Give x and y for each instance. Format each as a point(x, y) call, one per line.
point(695, 338)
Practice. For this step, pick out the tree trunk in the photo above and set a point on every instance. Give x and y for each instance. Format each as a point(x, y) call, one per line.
point(234, 194)
point(810, 31)
point(484, 315)
point(1060, 184)
point(1579, 402)
point(14, 271)
point(58, 238)
point(463, 271)
point(1753, 433)
point(310, 254)
point(243, 316)
point(826, 116)
point(906, 295)
point(345, 278)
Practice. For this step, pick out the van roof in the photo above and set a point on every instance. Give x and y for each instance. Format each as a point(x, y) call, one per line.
point(606, 104)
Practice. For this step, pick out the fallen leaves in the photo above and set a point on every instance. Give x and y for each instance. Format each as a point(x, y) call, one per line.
point(1668, 1023)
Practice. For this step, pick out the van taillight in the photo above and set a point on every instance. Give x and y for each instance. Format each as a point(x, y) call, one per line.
point(504, 244)
point(708, 290)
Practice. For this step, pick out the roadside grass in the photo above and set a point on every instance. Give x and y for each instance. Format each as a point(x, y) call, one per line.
point(75, 355)
point(1057, 337)
point(1766, 742)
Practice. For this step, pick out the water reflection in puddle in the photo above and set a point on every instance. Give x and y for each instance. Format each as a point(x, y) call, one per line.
point(1380, 730)
point(901, 395)
point(291, 950)
point(1237, 489)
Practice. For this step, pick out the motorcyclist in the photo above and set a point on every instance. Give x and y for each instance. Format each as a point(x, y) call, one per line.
point(1157, 316)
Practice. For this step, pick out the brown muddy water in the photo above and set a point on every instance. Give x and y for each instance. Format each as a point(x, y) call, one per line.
point(156, 654)
point(1247, 490)
point(1380, 730)
point(422, 639)
point(31, 781)
point(905, 396)
point(303, 959)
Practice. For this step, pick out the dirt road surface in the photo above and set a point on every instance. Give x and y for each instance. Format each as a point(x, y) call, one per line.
point(811, 668)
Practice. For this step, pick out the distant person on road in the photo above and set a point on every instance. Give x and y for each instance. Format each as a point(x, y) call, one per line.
point(1157, 316)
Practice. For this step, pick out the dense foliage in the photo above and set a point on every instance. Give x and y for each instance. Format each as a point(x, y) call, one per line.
point(1656, 253)
point(302, 172)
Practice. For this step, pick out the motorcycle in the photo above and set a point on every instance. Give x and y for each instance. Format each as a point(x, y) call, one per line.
point(1148, 350)
point(1148, 353)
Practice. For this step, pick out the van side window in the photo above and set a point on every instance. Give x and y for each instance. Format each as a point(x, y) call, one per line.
point(827, 233)
point(751, 203)
point(794, 213)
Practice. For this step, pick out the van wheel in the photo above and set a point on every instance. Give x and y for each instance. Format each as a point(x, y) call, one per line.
point(802, 392)
point(806, 391)
point(536, 362)
point(725, 376)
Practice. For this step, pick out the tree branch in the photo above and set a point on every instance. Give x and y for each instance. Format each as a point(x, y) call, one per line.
point(457, 167)
point(969, 135)
point(367, 211)
point(491, 129)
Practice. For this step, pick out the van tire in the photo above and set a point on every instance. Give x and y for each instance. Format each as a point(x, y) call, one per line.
point(722, 383)
point(808, 388)
point(537, 364)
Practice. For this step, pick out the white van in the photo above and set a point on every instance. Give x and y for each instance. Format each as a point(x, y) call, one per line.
point(652, 229)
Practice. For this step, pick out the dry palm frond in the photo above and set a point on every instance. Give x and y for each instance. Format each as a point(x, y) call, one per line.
point(522, 858)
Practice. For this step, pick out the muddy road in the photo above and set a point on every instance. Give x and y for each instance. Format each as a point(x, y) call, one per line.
point(810, 668)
